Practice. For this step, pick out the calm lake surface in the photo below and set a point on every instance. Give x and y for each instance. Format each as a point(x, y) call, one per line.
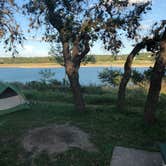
point(88, 75)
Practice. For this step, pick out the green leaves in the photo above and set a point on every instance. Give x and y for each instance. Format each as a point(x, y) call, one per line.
point(110, 76)
point(46, 75)
point(10, 33)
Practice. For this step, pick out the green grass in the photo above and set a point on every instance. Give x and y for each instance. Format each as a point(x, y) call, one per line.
point(106, 126)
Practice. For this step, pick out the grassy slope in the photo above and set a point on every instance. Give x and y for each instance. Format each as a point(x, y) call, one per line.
point(106, 126)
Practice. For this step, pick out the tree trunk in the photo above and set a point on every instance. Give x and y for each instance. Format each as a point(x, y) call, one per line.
point(126, 76)
point(155, 85)
point(73, 75)
point(76, 89)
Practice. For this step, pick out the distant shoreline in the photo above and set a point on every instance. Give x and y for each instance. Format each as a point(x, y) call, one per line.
point(52, 65)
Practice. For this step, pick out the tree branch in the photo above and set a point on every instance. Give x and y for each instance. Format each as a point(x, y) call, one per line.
point(86, 39)
point(54, 17)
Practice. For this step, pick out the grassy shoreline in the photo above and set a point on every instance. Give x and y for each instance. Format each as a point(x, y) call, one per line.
point(105, 125)
point(137, 63)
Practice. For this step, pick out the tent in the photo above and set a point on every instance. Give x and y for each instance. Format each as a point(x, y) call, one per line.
point(11, 99)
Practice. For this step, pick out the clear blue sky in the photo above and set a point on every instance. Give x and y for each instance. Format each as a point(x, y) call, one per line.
point(35, 47)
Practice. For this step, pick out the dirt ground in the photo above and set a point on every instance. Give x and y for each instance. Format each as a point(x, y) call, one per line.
point(57, 139)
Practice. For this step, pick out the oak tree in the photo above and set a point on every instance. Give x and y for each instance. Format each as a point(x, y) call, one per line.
point(157, 45)
point(76, 24)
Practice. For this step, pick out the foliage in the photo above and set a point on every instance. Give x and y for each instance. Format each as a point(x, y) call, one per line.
point(76, 24)
point(52, 108)
point(113, 77)
point(81, 22)
point(115, 16)
point(137, 77)
point(110, 76)
point(57, 55)
point(10, 33)
point(42, 85)
point(147, 74)
point(35, 85)
point(142, 78)
point(59, 60)
point(46, 75)
point(65, 22)
point(88, 59)
point(65, 82)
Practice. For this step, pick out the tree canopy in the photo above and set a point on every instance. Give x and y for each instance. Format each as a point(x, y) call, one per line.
point(87, 21)
point(10, 33)
point(76, 24)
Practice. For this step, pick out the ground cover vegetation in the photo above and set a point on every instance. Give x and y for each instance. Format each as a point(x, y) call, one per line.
point(75, 35)
point(106, 126)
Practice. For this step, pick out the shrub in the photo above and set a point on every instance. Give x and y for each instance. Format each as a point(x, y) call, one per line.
point(110, 76)
point(113, 77)
point(46, 75)
point(137, 77)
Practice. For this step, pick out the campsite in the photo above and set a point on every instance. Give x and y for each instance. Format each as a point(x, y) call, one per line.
point(101, 122)
point(82, 83)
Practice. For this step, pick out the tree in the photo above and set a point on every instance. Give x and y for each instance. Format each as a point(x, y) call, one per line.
point(128, 23)
point(157, 45)
point(127, 72)
point(56, 53)
point(113, 77)
point(67, 24)
point(150, 44)
point(156, 79)
point(10, 34)
point(76, 24)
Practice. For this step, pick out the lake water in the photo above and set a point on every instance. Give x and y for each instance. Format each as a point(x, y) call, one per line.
point(88, 75)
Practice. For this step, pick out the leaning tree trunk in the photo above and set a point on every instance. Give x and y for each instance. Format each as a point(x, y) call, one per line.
point(127, 74)
point(155, 85)
point(73, 75)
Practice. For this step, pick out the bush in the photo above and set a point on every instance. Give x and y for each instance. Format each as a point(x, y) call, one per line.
point(39, 85)
point(36, 85)
point(137, 77)
point(46, 75)
point(110, 76)
point(148, 73)
point(113, 77)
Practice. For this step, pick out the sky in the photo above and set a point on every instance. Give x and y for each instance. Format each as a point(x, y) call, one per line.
point(35, 47)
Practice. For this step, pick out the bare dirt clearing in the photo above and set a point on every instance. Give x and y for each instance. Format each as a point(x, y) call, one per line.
point(57, 139)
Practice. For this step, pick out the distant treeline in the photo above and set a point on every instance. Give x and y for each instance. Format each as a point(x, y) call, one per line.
point(106, 58)
point(98, 59)
point(17, 60)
